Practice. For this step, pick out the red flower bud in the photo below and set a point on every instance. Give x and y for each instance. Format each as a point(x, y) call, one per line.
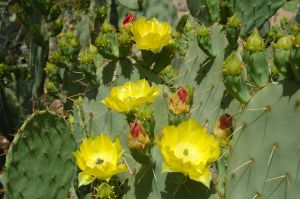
point(135, 128)
point(182, 93)
point(226, 121)
point(128, 19)
point(137, 137)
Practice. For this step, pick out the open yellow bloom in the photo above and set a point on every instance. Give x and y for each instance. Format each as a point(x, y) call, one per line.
point(130, 96)
point(151, 35)
point(189, 149)
point(98, 158)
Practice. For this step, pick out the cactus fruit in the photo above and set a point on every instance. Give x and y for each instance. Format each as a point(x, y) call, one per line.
point(282, 53)
point(40, 163)
point(234, 78)
point(204, 40)
point(264, 160)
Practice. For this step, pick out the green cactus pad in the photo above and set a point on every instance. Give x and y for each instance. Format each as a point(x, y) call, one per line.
point(40, 163)
point(264, 160)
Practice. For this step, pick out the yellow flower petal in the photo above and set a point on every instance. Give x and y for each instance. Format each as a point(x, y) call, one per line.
point(84, 179)
point(131, 95)
point(98, 158)
point(189, 149)
point(151, 35)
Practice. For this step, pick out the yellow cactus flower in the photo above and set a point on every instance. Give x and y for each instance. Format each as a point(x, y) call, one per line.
point(98, 158)
point(130, 96)
point(189, 149)
point(151, 35)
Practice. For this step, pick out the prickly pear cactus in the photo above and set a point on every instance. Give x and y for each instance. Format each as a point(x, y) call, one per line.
point(40, 163)
point(264, 160)
point(252, 13)
point(162, 112)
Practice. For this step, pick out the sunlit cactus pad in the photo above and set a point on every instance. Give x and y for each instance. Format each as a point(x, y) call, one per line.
point(264, 161)
point(40, 163)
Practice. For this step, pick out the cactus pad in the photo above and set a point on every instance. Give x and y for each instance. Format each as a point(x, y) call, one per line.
point(264, 161)
point(40, 163)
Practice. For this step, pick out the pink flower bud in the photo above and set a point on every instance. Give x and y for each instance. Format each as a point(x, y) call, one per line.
point(128, 19)
point(182, 93)
point(137, 137)
point(135, 128)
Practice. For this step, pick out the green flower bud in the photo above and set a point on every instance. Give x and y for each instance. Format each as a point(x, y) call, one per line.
point(255, 42)
point(144, 113)
point(188, 26)
point(107, 27)
point(203, 31)
point(232, 65)
point(93, 49)
point(274, 70)
point(69, 35)
point(56, 27)
point(51, 69)
point(74, 43)
point(86, 57)
point(55, 57)
point(284, 42)
point(102, 13)
point(297, 41)
point(124, 38)
point(234, 21)
point(62, 42)
point(169, 74)
point(102, 41)
point(3, 69)
point(104, 190)
point(54, 12)
point(295, 28)
point(50, 86)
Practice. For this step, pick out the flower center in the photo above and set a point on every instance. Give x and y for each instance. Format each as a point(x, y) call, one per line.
point(186, 152)
point(99, 161)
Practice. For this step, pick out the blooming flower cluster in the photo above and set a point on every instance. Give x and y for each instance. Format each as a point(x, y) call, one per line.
point(186, 148)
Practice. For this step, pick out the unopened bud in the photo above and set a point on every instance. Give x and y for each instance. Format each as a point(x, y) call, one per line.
point(102, 41)
point(226, 121)
point(232, 65)
point(297, 41)
point(104, 190)
point(284, 42)
point(203, 31)
point(234, 21)
point(222, 129)
point(107, 27)
point(3, 69)
point(137, 137)
point(128, 19)
point(51, 69)
point(102, 14)
point(124, 38)
point(179, 102)
point(255, 42)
